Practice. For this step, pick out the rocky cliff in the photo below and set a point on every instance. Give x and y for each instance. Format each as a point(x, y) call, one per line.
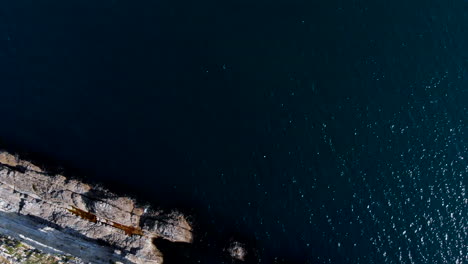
point(65, 217)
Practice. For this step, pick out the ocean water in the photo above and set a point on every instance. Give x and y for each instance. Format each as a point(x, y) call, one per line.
point(313, 131)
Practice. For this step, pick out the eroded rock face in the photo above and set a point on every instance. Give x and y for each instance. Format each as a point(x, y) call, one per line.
point(77, 209)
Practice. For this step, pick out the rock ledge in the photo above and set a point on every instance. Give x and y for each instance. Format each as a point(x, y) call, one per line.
point(58, 215)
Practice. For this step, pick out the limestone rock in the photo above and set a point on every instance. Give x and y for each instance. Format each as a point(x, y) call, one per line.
point(66, 216)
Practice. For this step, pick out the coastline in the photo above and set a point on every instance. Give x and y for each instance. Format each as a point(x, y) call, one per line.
point(41, 206)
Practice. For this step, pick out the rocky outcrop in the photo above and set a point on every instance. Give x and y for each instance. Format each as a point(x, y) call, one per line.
point(237, 251)
point(60, 215)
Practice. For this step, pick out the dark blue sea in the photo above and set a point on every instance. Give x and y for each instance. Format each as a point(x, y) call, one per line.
point(313, 131)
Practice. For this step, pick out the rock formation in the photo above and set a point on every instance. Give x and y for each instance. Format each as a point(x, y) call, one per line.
point(237, 251)
point(64, 216)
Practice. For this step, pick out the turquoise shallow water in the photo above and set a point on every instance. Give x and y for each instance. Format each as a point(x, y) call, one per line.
point(326, 132)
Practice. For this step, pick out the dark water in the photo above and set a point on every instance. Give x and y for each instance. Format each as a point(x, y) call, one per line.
point(315, 131)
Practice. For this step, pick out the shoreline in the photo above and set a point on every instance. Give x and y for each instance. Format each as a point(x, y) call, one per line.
point(209, 243)
point(68, 207)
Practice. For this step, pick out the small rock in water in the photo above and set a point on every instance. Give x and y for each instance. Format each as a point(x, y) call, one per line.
point(237, 251)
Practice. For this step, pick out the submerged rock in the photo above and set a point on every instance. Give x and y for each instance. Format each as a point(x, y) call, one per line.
point(237, 251)
point(59, 215)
